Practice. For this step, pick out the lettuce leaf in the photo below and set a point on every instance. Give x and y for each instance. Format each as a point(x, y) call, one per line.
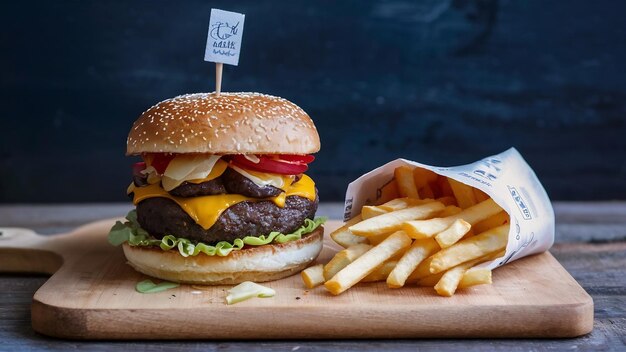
point(147, 286)
point(131, 232)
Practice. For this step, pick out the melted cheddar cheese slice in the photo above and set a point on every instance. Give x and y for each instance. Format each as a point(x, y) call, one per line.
point(206, 209)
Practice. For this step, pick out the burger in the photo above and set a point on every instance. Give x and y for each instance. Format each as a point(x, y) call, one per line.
point(221, 193)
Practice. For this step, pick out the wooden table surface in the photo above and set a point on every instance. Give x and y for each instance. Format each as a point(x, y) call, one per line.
point(590, 243)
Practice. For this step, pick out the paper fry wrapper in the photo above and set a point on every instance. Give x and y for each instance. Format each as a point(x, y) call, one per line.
point(505, 177)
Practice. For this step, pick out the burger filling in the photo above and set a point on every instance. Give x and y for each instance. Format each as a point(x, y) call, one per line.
point(211, 202)
point(230, 181)
point(245, 218)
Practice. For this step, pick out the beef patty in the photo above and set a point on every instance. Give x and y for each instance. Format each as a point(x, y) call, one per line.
point(162, 216)
point(229, 182)
point(208, 188)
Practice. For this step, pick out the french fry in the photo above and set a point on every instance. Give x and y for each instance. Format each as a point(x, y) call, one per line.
point(420, 229)
point(396, 204)
point(493, 221)
point(422, 271)
point(427, 228)
point(496, 255)
point(426, 192)
point(452, 234)
point(404, 178)
point(469, 249)
point(444, 186)
point(447, 200)
point(389, 191)
point(480, 195)
point(449, 210)
point(347, 239)
point(434, 186)
point(367, 263)
point(422, 177)
point(381, 273)
point(475, 276)
point(313, 275)
point(472, 277)
point(419, 250)
point(449, 281)
point(463, 193)
point(344, 237)
point(369, 211)
point(393, 221)
point(403, 203)
point(469, 234)
point(376, 239)
point(343, 258)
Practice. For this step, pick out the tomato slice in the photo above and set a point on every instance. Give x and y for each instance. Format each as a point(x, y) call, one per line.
point(302, 159)
point(160, 161)
point(278, 164)
point(267, 164)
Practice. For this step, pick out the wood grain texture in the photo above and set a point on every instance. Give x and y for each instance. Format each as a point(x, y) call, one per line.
point(92, 296)
point(600, 273)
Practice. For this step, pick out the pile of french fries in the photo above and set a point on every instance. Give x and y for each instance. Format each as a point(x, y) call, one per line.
point(433, 234)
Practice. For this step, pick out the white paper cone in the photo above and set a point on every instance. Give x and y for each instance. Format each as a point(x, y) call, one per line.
point(505, 177)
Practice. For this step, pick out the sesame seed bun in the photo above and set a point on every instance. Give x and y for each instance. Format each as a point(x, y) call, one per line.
point(263, 263)
point(229, 123)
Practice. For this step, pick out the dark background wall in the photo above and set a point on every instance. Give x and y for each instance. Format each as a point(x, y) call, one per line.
point(441, 82)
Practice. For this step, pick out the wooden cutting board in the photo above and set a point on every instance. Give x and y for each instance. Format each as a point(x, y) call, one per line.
point(91, 295)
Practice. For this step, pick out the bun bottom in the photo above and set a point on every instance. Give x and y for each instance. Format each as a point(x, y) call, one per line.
point(263, 263)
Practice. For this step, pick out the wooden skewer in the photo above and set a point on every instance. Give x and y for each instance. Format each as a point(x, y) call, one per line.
point(218, 77)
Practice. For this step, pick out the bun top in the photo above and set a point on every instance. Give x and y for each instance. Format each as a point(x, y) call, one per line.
point(231, 123)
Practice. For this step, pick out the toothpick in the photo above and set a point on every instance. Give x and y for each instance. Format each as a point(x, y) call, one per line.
point(218, 77)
